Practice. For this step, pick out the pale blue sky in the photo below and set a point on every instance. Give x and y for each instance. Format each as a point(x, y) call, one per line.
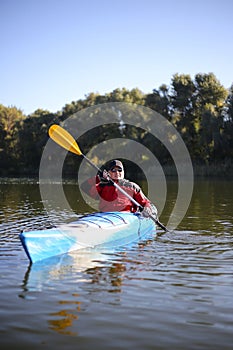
point(54, 52)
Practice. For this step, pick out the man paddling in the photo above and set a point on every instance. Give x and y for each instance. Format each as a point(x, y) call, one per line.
point(110, 198)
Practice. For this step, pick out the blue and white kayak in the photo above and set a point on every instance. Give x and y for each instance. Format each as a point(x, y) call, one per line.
point(111, 230)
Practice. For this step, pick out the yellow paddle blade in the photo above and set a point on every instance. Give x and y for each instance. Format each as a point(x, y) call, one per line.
point(64, 139)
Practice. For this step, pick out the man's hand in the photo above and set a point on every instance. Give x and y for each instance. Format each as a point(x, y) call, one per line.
point(150, 211)
point(104, 175)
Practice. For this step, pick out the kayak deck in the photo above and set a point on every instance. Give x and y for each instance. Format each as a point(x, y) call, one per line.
point(97, 230)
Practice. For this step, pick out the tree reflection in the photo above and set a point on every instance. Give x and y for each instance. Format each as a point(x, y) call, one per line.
point(65, 318)
point(114, 276)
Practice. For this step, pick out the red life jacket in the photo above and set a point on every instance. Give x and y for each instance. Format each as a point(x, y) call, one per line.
point(110, 199)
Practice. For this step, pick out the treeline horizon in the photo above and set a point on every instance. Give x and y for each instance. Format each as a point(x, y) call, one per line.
point(201, 110)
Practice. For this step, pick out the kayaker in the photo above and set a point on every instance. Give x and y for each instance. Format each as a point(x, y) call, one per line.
point(110, 198)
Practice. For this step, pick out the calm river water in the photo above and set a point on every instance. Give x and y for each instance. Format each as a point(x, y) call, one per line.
point(175, 292)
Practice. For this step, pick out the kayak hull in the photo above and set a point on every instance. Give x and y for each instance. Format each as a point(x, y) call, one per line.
point(110, 230)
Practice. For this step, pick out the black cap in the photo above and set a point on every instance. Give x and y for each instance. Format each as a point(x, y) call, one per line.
point(115, 163)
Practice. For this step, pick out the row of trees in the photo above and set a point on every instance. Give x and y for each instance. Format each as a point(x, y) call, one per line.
point(201, 110)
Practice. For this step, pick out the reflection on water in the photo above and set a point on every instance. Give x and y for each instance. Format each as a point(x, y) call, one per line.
point(63, 319)
point(89, 267)
point(47, 271)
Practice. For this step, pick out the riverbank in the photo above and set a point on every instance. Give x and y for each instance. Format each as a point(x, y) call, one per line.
point(220, 170)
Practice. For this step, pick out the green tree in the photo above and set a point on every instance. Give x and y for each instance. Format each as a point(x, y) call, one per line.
point(10, 119)
point(159, 101)
point(125, 95)
point(228, 126)
point(31, 138)
point(201, 109)
point(209, 103)
point(183, 117)
point(197, 108)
